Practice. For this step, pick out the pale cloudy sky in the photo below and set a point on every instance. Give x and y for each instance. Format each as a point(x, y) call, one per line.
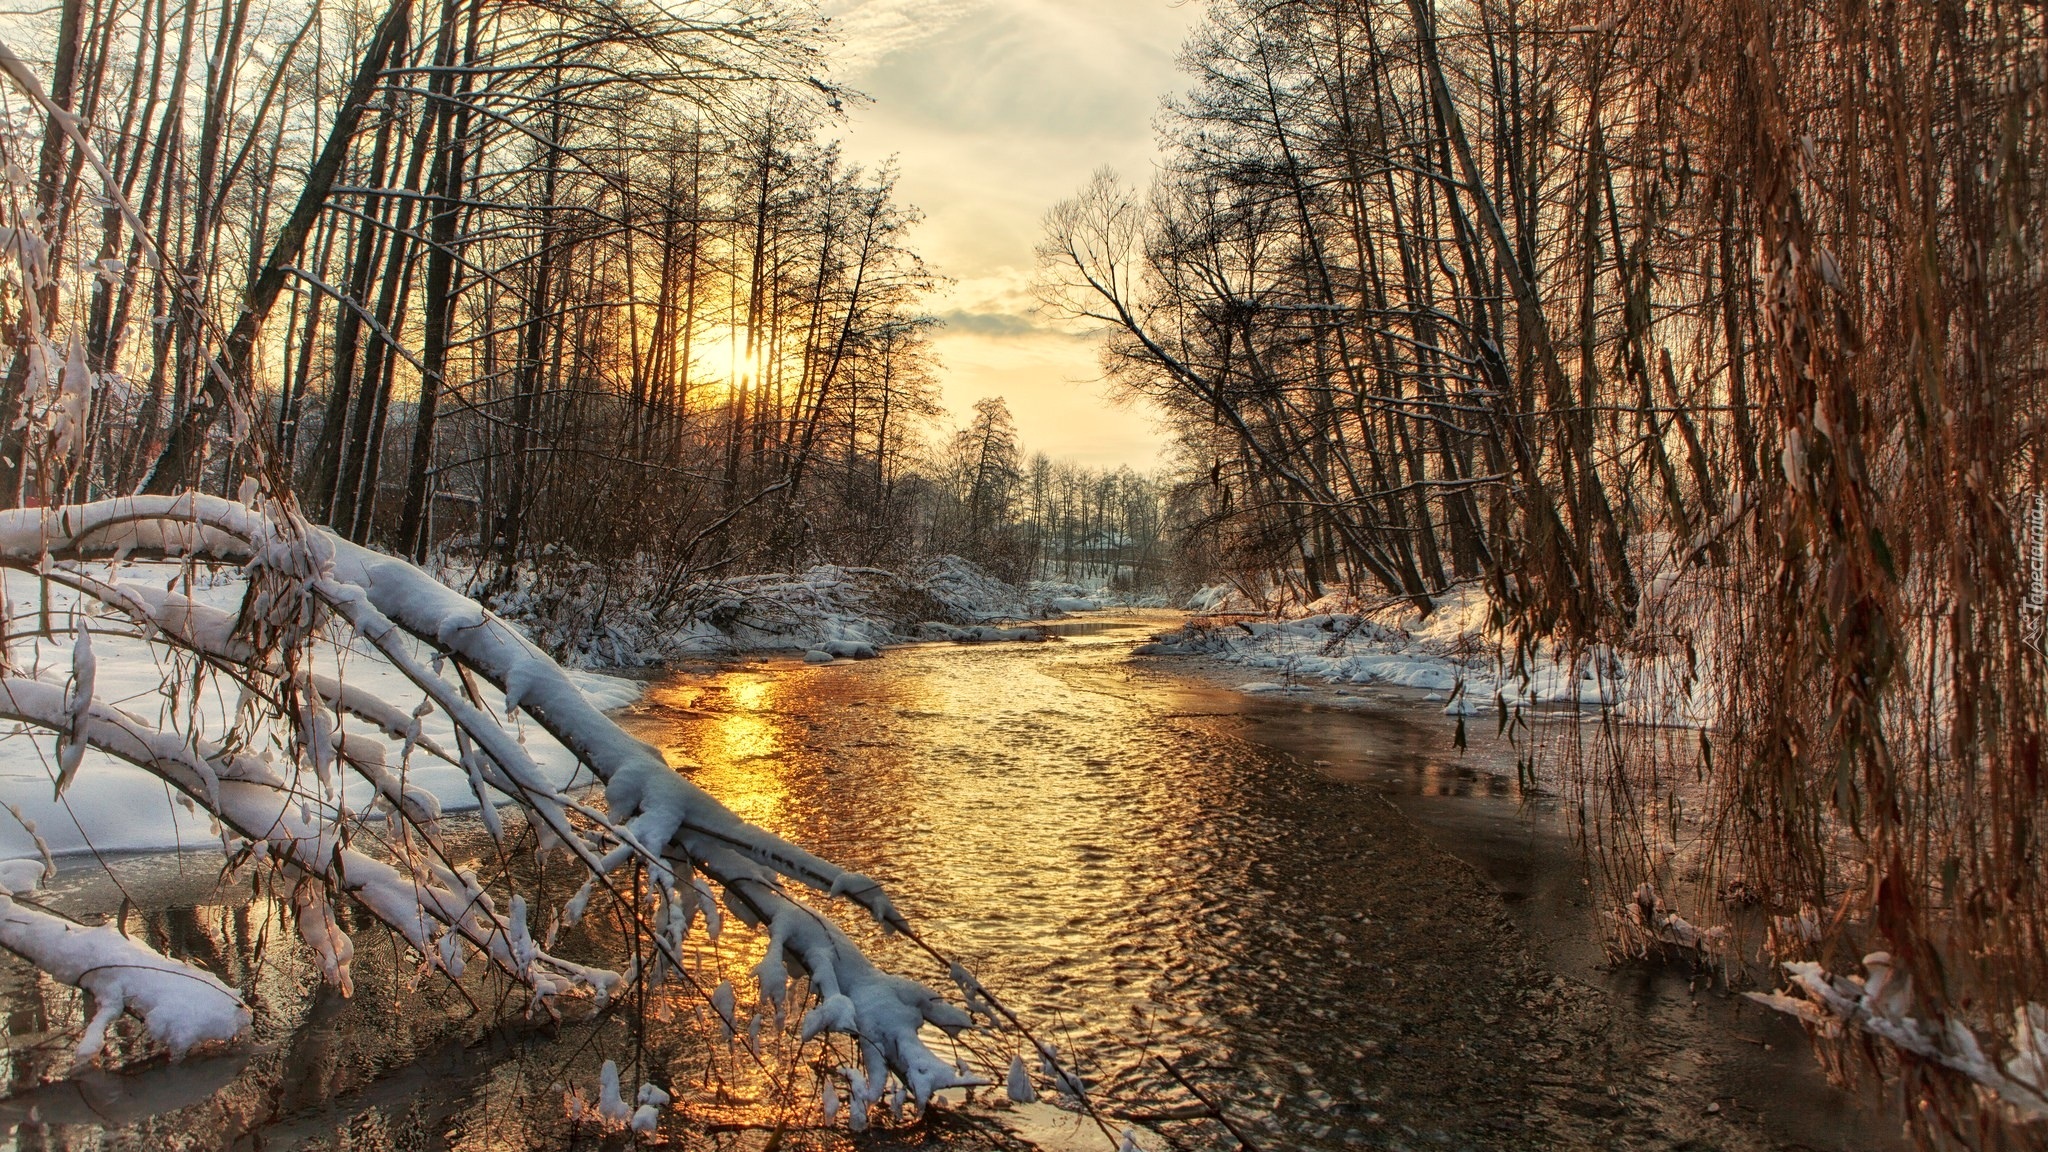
point(995, 110)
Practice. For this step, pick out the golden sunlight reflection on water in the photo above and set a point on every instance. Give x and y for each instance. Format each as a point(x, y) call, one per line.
point(741, 752)
point(1134, 860)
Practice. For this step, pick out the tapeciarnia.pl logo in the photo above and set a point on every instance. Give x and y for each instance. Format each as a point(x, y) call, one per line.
point(2034, 554)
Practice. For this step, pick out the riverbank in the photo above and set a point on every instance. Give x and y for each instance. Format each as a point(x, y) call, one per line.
point(1329, 917)
point(1453, 653)
point(592, 617)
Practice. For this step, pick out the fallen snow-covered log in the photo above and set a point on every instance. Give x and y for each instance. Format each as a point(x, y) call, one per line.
point(305, 588)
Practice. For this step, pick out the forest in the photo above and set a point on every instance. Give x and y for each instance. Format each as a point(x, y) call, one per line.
point(1709, 335)
point(1702, 343)
point(505, 283)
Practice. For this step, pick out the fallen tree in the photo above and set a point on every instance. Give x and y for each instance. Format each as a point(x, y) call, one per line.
point(273, 779)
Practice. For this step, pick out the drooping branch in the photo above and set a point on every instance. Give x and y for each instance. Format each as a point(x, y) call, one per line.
point(652, 810)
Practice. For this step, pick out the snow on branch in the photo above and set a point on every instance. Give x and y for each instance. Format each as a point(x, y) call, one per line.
point(304, 588)
point(1880, 1004)
point(275, 822)
point(182, 1006)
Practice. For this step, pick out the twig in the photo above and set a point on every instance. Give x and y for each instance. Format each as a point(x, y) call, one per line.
point(1243, 1141)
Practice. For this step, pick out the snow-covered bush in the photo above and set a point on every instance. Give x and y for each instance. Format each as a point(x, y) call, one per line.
point(623, 615)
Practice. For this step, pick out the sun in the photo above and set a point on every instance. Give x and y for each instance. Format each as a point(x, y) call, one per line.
point(718, 357)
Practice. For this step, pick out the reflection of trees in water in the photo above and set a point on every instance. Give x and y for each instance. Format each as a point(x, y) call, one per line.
point(180, 930)
point(28, 1015)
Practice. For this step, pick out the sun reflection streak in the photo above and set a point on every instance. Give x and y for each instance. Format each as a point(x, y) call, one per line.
point(741, 753)
point(751, 695)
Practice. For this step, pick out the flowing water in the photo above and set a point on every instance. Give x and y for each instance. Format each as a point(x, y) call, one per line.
point(1333, 923)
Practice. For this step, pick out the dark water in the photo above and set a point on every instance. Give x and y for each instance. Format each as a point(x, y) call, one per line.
point(1357, 933)
point(1343, 929)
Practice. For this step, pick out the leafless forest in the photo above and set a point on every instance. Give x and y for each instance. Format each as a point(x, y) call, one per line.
point(1708, 331)
point(1711, 337)
point(516, 282)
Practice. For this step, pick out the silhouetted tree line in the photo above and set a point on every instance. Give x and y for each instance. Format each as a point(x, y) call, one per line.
point(1030, 517)
point(513, 280)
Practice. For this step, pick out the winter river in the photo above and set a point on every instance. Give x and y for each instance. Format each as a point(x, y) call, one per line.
point(1337, 926)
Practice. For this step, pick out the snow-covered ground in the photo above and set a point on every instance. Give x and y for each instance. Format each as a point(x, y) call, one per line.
point(1087, 592)
point(117, 807)
point(1451, 653)
point(592, 618)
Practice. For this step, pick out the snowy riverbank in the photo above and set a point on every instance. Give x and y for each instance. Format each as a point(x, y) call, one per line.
point(118, 807)
point(1450, 653)
point(595, 618)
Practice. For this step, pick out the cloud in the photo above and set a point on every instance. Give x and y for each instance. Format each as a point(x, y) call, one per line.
point(1001, 324)
point(868, 30)
point(996, 110)
point(1030, 69)
point(1054, 387)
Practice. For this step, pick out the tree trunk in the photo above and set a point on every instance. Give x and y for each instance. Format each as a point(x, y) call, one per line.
point(225, 385)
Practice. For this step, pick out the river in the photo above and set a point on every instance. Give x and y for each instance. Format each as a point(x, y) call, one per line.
point(1338, 926)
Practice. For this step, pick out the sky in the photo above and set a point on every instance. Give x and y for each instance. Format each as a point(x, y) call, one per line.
point(995, 110)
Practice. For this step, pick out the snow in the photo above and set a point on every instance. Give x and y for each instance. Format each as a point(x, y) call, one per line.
point(1210, 598)
point(606, 693)
point(838, 611)
point(1452, 655)
point(1019, 1082)
point(612, 1109)
point(280, 822)
point(21, 876)
point(1090, 589)
point(182, 1006)
point(130, 811)
point(970, 595)
point(1881, 1002)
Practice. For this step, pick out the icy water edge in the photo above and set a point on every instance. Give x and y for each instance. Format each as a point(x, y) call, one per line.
point(1339, 926)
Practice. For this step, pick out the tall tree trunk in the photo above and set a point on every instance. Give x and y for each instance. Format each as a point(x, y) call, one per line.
point(226, 383)
point(33, 323)
point(530, 375)
point(450, 163)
